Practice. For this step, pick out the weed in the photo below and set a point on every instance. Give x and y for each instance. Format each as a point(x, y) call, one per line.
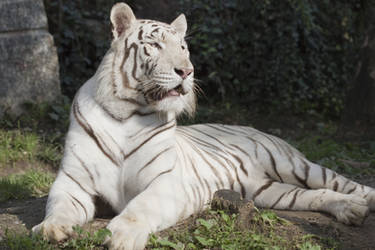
point(15, 241)
point(83, 240)
point(21, 145)
point(20, 186)
point(329, 153)
point(86, 240)
point(219, 230)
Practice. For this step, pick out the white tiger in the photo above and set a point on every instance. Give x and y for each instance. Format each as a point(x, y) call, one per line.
point(124, 146)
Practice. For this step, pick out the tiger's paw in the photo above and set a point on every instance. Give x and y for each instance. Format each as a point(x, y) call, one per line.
point(52, 230)
point(127, 233)
point(351, 210)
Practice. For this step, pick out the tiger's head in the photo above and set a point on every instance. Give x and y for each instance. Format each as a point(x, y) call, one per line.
point(148, 64)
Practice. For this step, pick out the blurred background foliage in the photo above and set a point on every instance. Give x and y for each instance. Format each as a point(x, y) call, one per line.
point(296, 55)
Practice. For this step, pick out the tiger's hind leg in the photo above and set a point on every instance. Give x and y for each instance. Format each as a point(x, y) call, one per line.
point(314, 176)
point(347, 208)
point(68, 204)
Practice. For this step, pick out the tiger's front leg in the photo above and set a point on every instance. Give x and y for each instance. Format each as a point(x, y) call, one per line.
point(156, 208)
point(68, 204)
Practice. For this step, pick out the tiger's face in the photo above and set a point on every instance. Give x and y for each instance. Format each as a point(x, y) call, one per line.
point(151, 63)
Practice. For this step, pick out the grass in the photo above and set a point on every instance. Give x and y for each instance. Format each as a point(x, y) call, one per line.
point(350, 158)
point(33, 183)
point(82, 240)
point(219, 230)
point(20, 145)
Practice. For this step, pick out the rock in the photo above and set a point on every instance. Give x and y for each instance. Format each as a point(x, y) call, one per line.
point(227, 200)
point(22, 15)
point(231, 201)
point(29, 70)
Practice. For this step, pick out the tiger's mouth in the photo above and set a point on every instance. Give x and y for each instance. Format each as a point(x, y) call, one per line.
point(162, 94)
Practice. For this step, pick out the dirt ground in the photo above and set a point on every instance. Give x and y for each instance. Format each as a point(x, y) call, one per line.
point(22, 215)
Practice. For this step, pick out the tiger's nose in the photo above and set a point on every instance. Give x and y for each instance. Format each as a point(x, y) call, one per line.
point(183, 72)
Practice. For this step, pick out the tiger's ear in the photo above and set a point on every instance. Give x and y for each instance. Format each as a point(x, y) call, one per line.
point(122, 18)
point(180, 24)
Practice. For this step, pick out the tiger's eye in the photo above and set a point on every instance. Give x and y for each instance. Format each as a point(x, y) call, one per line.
point(156, 45)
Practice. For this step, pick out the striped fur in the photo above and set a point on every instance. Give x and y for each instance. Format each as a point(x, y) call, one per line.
point(124, 146)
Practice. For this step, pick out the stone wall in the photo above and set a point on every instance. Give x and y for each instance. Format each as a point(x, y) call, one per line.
point(29, 70)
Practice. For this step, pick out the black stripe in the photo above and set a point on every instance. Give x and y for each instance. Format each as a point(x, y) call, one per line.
point(214, 126)
point(271, 140)
point(335, 186)
point(244, 152)
point(75, 181)
point(352, 190)
point(84, 209)
point(153, 159)
point(161, 173)
point(299, 179)
point(278, 200)
point(133, 101)
point(139, 113)
point(242, 167)
point(294, 199)
point(262, 188)
point(243, 190)
point(145, 51)
point(199, 141)
point(208, 135)
point(208, 188)
point(216, 173)
point(307, 172)
point(273, 162)
point(346, 183)
point(324, 175)
point(195, 171)
point(149, 138)
point(195, 195)
point(228, 174)
point(140, 34)
point(84, 166)
point(86, 126)
point(303, 182)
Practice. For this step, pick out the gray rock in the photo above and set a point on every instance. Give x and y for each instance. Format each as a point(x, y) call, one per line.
point(231, 201)
point(29, 70)
point(22, 15)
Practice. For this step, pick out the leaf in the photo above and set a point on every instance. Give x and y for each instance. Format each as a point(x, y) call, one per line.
point(207, 223)
point(166, 243)
point(205, 242)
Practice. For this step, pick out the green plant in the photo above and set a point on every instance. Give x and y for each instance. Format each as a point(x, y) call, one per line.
point(83, 240)
point(16, 145)
point(33, 183)
point(219, 230)
point(16, 241)
point(347, 158)
point(23, 145)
